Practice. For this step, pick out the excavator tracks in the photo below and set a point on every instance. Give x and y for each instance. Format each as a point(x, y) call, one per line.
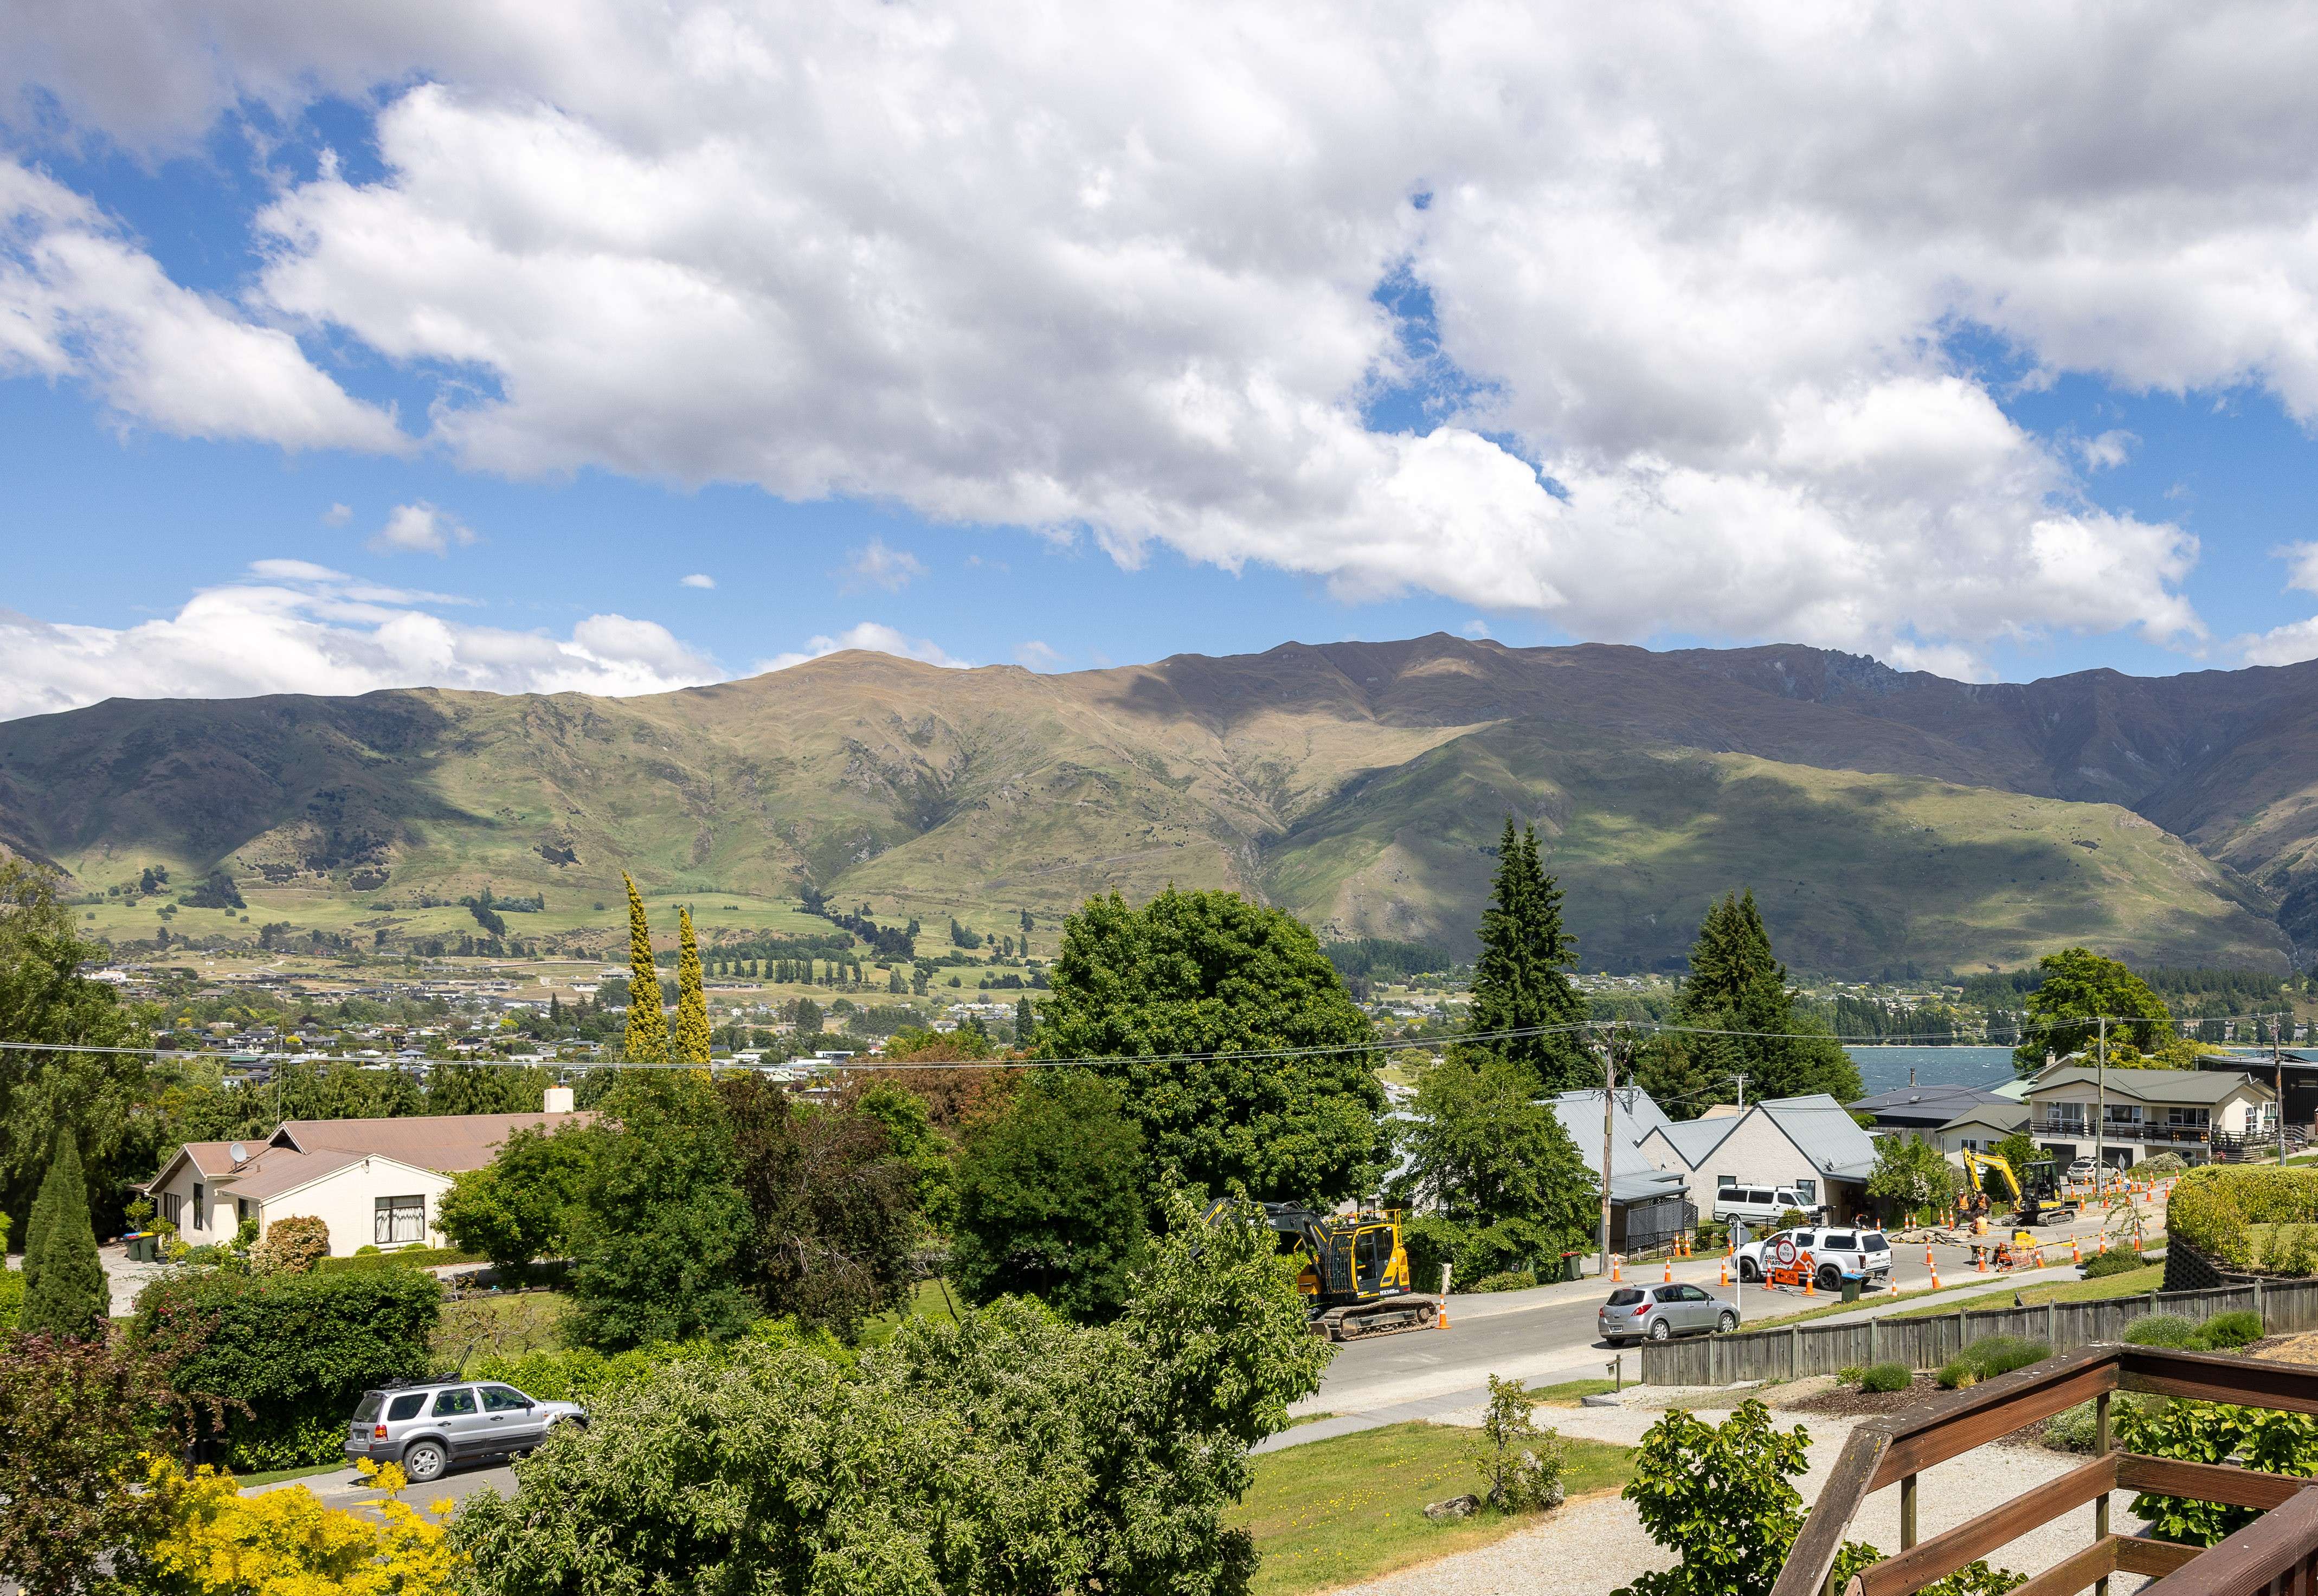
point(1387, 1316)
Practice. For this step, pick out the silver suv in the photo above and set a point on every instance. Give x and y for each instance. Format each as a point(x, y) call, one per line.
point(427, 1425)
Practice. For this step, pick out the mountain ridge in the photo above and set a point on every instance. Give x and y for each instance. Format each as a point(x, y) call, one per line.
point(1358, 783)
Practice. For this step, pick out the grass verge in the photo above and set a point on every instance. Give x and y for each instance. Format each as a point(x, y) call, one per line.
point(1353, 1508)
point(2133, 1283)
point(1568, 1393)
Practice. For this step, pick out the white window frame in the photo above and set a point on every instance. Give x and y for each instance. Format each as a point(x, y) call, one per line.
point(392, 1215)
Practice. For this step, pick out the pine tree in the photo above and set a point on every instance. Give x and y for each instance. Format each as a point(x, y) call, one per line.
point(1026, 1022)
point(1518, 982)
point(67, 1294)
point(647, 1037)
point(692, 1040)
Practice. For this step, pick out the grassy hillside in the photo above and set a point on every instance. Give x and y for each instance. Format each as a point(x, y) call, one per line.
point(1881, 819)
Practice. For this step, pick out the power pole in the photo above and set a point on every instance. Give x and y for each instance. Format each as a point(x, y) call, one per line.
point(2277, 1062)
point(1742, 1094)
point(2100, 1117)
point(1609, 1135)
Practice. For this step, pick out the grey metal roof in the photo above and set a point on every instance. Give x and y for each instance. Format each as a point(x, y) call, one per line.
point(1929, 1104)
point(1695, 1138)
point(1826, 1133)
point(2002, 1116)
point(2151, 1086)
point(1633, 1115)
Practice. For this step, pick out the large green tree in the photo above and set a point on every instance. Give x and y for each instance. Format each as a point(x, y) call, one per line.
point(661, 1224)
point(690, 1043)
point(65, 1289)
point(646, 1040)
point(2064, 1011)
point(1209, 972)
point(832, 1212)
point(1497, 1183)
point(1010, 1454)
point(520, 1205)
point(103, 1099)
point(1050, 1197)
point(1520, 981)
point(1735, 1016)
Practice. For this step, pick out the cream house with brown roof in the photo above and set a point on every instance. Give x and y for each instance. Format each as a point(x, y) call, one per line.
point(372, 1181)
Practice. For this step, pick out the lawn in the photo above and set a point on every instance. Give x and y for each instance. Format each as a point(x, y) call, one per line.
point(929, 1299)
point(274, 1476)
point(2133, 1283)
point(1353, 1508)
point(506, 1325)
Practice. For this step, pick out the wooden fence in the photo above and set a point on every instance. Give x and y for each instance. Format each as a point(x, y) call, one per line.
point(1930, 1341)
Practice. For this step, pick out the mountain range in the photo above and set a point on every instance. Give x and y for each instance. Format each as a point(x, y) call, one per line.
point(1886, 819)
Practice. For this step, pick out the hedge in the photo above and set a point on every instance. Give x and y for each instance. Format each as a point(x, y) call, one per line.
point(2215, 1209)
point(296, 1350)
point(409, 1258)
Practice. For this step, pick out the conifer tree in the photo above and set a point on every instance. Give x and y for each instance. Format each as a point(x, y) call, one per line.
point(1026, 1022)
point(692, 1039)
point(66, 1294)
point(647, 1037)
point(1742, 1019)
point(1518, 982)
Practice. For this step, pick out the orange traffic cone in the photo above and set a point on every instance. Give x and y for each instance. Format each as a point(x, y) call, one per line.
point(1808, 1273)
point(2074, 1256)
point(1935, 1277)
point(1616, 1263)
point(1726, 1272)
point(2136, 1243)
point(1983, 1261)
point(2104, 1244)
point(1442, 1322)
point(1670, 1274)
point(1892, 1280)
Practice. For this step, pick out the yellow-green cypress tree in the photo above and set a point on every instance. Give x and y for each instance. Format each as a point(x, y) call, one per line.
point(692, 1038)
point(647, 1037)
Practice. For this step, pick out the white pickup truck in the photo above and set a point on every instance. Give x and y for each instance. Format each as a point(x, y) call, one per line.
point(1835, 1253)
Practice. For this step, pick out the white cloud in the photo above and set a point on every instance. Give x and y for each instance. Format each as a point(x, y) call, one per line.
point(296, 627)
point(1111, 271)
point(878, 566)
point(338, 515)
point(2110, 449)
point(79, 301)
point(1034, 655)
point(2301, 565)
point(1475, 627)
point(696, 579)
point(420, 529)
point(873, 638)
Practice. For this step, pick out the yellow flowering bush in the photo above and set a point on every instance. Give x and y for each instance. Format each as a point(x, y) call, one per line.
point(209, 1538)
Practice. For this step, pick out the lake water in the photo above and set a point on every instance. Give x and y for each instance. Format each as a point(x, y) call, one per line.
point(1882, 1069)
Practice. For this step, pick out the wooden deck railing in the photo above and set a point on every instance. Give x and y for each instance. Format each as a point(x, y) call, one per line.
point(2275, 1556)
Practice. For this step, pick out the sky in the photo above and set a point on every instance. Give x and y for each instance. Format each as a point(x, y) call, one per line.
point(618, 347)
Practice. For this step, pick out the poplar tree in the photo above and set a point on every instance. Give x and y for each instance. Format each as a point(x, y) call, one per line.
point(647, 1037)
point(65, 1290)
point(692, 1038)
point(1519, 981)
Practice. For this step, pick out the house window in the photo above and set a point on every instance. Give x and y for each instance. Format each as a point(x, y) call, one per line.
point(2067, 1117)
point(1970, 1146)
point(1725, 1182)
point(2122, 1114)
point(173, 1209)
point(201, 1207)
point(400, 1219)
point(2200, 1118)
point(240, 1210)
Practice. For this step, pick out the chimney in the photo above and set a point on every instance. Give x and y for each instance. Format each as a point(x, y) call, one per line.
point(559, 1099)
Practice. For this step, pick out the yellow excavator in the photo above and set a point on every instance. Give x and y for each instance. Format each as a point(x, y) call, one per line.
point(1352, 1269)
point(2037, 1206)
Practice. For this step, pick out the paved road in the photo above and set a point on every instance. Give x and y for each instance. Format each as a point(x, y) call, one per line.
point(1548, 1334)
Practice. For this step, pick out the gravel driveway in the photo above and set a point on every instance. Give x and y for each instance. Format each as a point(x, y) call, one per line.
point(1593, 1546)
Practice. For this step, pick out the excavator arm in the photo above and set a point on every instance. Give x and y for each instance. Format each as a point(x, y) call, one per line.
point(1974, 1163)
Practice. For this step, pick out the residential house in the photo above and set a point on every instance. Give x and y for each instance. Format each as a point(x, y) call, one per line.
point(1648, 1206)
point(2195, 1113)
point(1922, 1110)
point(1810, 1145)
point(1981, 1128)
point(372, 1182)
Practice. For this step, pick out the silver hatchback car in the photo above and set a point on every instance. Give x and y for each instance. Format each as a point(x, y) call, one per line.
point(1657, 1312)
point(427, 1425)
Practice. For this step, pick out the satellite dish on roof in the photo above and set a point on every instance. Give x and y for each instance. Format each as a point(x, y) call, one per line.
point(239, 1154)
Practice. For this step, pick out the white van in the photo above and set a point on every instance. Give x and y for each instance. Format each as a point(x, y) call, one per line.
point(1762, 1206)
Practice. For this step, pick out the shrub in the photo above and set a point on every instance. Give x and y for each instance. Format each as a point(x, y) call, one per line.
point(2111, 1263)
point(290, 1348)
point(2164, 1330)
point(2293, 1250)
point(1506, 1280)
point(409, 1258)
point(2213, 1207)
point(1850, 1373)
point(2076, 1430)
point(1991, 1356)
point(2238, 1327)
point(207, 1537)
point(1956, 1374)
point(1793, 1219)
point(292, 1246)
point(1520, 1464)
point(2157, 1167)
point(1887, 1377)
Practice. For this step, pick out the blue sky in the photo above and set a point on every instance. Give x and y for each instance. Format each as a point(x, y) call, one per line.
point(1376, 393)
